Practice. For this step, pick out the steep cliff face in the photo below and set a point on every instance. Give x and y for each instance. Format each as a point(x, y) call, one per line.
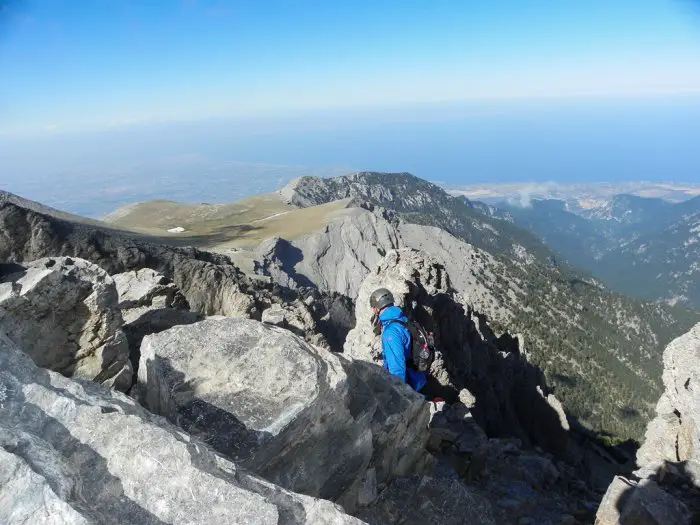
point(673, 436)
point(666, 487)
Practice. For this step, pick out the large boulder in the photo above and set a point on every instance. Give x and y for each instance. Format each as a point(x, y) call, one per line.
point(302, 417)
point(72, 452)
point(63, 313)
point(666, 486)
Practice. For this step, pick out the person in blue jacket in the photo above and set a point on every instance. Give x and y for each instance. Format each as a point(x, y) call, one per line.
point(396, 339)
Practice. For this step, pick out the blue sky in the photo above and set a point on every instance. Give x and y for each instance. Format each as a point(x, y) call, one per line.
point(76, 65)
point(105, 102)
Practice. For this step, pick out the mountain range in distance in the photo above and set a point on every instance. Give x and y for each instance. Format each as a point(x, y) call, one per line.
point(583, 196)
point(640, 238)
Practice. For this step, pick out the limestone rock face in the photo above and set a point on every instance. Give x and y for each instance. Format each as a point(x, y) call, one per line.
point(408, 274)
point(666, 488)
point(336, 259)
point(64, 313)
point(510, 394)
point(674, 435)
point(74, 453)
point(300, 416)
point(340, 256)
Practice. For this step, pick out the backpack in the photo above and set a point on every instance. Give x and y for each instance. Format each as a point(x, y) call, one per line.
point(422, 346)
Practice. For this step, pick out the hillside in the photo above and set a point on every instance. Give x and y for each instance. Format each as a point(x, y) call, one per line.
point(643, 247)
point(661, 265)
point(223, 227)
point(645, 213)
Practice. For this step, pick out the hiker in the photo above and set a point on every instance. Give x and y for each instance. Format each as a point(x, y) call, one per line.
point(397, 340)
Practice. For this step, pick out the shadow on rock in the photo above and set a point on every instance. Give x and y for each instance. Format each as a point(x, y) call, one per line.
point(220, 429)
point(74, 471)
point(666, 497)
point(512, 399)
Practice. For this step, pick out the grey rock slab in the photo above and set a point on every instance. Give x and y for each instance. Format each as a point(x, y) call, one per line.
point(645, 503)
point(72, 452)
point(274, 316)
point(302, 417)
point(63, 312)
point(146, 287)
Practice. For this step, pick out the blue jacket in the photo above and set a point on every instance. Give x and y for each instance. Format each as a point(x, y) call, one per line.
point(396, 348)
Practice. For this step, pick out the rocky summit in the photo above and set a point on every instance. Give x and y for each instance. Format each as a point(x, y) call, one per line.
point(145, 383)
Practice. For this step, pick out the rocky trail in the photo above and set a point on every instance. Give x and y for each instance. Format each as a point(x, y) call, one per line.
point(147, 384)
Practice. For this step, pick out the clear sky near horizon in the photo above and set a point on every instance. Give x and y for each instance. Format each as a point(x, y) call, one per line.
point(452, 90)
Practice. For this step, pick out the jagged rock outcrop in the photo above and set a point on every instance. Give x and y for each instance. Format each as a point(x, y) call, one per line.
point(666, 487)
point(64, 312)
point(673, 436)
point(26, 235)
point(150, 303)
point(640, 502)
point(147, 287)
point(307, 419)
point(72, 452)
point(210, 283)
point(511, 394)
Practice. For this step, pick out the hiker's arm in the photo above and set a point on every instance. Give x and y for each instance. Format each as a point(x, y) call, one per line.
point(394, 358)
